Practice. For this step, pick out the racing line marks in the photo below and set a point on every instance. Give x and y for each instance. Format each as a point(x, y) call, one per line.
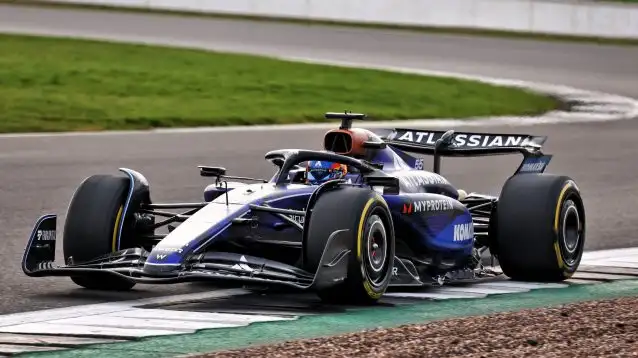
point(13, 343)
point(233, 319)
point(84, 330)
point(52, 340)
point(7, 349)
point(65, 328)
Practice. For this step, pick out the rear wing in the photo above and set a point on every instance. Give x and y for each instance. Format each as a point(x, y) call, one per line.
point(464, 143)
point(468, 144)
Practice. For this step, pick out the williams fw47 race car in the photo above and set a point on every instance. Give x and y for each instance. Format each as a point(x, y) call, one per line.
point(347, 222)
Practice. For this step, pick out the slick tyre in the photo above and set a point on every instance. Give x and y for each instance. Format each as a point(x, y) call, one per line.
point(368, 221)
point(90, 230)
point(540, 229)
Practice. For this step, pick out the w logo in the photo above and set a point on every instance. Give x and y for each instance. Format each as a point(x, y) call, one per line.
point(407, 208)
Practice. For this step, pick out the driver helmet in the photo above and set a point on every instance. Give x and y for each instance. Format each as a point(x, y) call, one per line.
point(318, 171)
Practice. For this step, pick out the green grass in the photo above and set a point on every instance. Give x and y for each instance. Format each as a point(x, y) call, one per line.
point(52, 84)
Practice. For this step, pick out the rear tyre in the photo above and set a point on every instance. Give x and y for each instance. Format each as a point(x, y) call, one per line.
point(540, 229)
point(368, 220)
point(90, 230)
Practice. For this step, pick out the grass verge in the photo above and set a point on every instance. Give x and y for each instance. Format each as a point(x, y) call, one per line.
point(55, 84)
point(427, 29)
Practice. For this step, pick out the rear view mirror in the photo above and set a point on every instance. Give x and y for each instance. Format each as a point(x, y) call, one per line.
point(207, 171)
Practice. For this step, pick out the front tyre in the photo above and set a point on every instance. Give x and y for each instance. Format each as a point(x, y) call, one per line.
point(540, 234)
point(368, 220)
point(92, 222)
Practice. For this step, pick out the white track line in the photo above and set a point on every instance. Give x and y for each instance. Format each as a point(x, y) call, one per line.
point(125, 320)
point(522, 285)
point(436, 295)
point(611, 253)
point(16, 348)
point(602, 276)
point(59, 340)
point(75, 329)
point(110, 307)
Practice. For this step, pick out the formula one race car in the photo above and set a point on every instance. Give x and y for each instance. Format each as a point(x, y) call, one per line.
point(346, 222)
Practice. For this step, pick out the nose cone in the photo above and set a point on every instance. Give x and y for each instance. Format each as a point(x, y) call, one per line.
point(165, 260)
point(161, 270)
point(169, 255)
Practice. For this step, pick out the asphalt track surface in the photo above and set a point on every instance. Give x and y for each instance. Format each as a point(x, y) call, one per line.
point(39, 174)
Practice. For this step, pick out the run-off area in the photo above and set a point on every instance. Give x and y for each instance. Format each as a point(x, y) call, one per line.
point(59, 330)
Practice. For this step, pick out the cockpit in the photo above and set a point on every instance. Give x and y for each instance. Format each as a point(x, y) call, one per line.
point(358, 143)
point(317, 172)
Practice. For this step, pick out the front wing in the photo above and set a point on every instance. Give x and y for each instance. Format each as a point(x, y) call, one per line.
point(129, 264)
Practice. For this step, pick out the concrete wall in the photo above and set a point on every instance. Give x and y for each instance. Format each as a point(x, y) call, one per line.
point(542, 16)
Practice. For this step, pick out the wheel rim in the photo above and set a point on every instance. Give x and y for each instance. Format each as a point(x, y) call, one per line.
point(572, 231)
point(377, 244)
point(376, 250)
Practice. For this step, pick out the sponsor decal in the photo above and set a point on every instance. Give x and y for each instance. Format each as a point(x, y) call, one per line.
point(535, 165)
point(243, 265)
point(488, 141)
point(45, 235)
point(161, 256)
point(298, 218)
point(418, 137)
point(463, 232)
point(170, 250)
point(428, 206)
point(418, 179)
point(418, 164)
point(433, 205)
point(407, 209)
point(468, 140)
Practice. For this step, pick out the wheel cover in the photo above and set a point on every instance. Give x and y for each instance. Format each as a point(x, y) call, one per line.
point(571, 232)
point(377, 244)
point(376, 250)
